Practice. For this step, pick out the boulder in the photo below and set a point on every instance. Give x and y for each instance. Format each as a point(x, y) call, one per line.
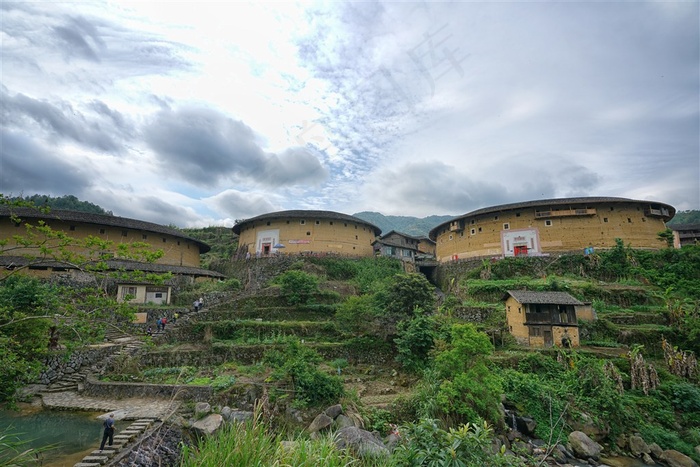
point(240, 416)
point(201, 409)
point(638, 446)
point(646, 458)
point(361, 442)
point(673, 458)
point(583, 446)
point(341, 421)
point(655, 450)
point(209, 424)
point(334, 410)
point(226, 412)
point(587, 424)
point(526, 425)
point(320, 422)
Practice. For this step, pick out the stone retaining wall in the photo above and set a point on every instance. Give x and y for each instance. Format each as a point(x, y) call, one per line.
point(250, 354)
point(116, 390)
point(62, 362)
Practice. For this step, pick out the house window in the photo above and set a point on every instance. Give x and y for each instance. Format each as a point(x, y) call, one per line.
point(479, 229)
point(164, 240)
point(331, 222)
point(473, 231)
point(355, 237)
point(643, 219)
point(450, 237)
point(268, 222)
point(629, 221)
point(605, 219)
point(128, 291)
point(302, 222)
point(506, 226)
point(495, 218)
point(72, 228)
point(125, 233)
point(548, 222)
point(178, 242)
point(345, 224)
point(159, 294)
point(318, 222)
point(308, 233)
point(517, 214)
point(144, 236)
point(473, 221)
point(287, 222)
point(102, 231)
point(611, 208)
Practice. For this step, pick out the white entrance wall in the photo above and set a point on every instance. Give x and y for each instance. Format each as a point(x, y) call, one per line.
point(267, 237)
point(524, 237)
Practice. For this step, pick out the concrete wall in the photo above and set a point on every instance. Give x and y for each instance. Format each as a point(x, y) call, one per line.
point(482, 235)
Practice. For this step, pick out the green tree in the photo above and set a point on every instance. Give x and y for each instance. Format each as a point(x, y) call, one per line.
point(408, 292)
point(32, 310)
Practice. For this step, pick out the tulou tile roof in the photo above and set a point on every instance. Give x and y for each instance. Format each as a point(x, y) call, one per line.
point(554, 298)
point(100, 219)
point(305, 214)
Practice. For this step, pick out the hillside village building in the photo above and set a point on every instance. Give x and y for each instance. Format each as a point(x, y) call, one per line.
point(543, 227)
point(398, 245)
point(685, 234)
point(543, 319)
point(181, 253)
point(305, 232)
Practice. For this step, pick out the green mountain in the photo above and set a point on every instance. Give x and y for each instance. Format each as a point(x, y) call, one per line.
point(685, 217)
point(415, 226)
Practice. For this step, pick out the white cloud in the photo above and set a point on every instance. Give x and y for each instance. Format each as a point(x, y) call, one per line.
point(202, 113)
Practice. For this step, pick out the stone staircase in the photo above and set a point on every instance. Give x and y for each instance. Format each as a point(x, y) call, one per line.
point(123, 440)
point(128, 345)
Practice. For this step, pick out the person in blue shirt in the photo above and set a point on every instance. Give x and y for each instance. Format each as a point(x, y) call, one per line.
point(109, 431)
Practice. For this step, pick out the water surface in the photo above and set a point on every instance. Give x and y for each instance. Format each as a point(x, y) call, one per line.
point(69, 434)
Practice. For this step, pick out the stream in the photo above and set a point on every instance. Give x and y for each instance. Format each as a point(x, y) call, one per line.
point(70, 435)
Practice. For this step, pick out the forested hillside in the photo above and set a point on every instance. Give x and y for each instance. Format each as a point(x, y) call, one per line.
point(416, 226)
point(67, 202)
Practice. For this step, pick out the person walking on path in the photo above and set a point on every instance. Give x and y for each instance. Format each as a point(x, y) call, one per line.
point(109, 431)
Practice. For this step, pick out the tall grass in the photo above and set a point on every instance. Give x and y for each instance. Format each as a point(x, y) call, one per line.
point(252, 444)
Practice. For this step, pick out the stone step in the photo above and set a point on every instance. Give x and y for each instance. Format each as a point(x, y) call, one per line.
point(109, 452)
point(132, 433)
point(87, 464)
point(100, 460)
point(137, 427)
point(71, 387)
point(124, 438)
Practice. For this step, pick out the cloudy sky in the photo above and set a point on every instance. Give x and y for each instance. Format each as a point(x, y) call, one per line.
point(196, 114)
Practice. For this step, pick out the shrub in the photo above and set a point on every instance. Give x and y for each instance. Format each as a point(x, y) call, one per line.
point(415, 341)
point(297, 286)
point(358, 316)
point(469, 390)
point(298, 365)
point(425, 444)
